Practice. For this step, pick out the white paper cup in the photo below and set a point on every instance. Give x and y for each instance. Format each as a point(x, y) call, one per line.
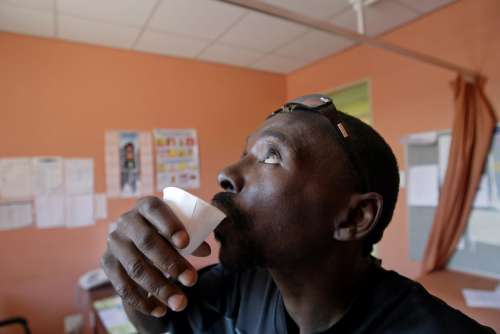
point(199, 217)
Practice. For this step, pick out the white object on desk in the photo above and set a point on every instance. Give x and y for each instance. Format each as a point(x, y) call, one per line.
point(482, 298)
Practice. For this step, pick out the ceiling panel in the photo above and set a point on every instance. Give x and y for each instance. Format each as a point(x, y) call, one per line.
point(230, 55)
point(379, 17)
point(26, 21)
point(199, 18)
point(262, 32)
point(34, 4)
point(130, 12)
point(314, 45)
point(278, 64)
point(100, 33)
point(319, 9)
point(209, 30)
point(425, 6)
point(170, 44)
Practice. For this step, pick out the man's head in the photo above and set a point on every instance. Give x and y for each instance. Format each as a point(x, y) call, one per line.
point(129, 151)
point(295, 193)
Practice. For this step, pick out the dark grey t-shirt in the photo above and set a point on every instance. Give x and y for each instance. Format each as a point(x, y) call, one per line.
point(249, 302)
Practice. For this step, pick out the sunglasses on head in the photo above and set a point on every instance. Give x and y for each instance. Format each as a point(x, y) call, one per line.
point(323, 105)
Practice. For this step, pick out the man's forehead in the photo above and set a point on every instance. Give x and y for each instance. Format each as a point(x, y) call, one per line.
point(276, 127)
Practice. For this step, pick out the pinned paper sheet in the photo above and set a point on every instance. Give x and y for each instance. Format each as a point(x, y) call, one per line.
point(15, 178)
point(47, 173)
point(484, 227)
point(483, 194)
point(423, 188)
point(177, 158)
point(423, 138)
point(444, 144)
point(80, 210)
point(49, 210)
point(100, 206)
point(15, 215)
point(79, 176)
point(129, 164)
point(199, 217)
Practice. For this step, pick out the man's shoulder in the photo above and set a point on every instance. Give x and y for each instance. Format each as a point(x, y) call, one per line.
point(414, 307)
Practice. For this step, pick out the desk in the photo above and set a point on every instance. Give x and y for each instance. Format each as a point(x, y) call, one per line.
point(101, 292)
point(447, 285)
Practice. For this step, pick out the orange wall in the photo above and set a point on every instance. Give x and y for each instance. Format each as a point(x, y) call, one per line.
point(58, 98)
point(408, 96)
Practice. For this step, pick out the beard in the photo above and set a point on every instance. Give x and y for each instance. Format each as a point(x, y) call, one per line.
point(238, 250)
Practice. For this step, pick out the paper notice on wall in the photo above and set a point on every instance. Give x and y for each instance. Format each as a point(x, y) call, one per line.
point(100, 206)
point(129, 166)
point(423, 189)
point(16, 215)
point(484, 227)
point(146, 157)
point(483, 194)
point(49, 210)
point(494, 164)
point(79, 176)
point(177, 158)
point(79, 210)
point(422, 138)
point(47, 175)
point(15, 178)
point(444, 144)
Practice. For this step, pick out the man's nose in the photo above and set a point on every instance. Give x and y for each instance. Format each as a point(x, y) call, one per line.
point(230, 179)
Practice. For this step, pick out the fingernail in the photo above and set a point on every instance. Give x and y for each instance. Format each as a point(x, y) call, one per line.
point(187, 278)
point(177, 302)
point(180, 239)
point(159, 311)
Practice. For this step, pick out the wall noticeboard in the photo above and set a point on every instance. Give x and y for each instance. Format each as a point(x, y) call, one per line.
point(479, 248)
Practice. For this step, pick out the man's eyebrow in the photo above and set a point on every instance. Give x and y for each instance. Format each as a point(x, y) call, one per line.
point(281, 137)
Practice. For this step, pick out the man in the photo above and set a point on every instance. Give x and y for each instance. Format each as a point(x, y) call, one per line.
point(311, 194)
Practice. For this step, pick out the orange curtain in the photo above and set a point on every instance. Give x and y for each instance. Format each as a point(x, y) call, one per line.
point(473, 127)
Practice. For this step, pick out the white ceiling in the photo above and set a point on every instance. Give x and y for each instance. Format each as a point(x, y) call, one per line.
point(208, 30)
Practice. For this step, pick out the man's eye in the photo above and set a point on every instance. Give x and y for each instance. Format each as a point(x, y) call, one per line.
point(272, 158)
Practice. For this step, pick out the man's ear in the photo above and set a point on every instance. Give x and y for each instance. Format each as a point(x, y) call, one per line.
point(364, 213)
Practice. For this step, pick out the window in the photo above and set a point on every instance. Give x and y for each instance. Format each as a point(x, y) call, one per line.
point(354, 100)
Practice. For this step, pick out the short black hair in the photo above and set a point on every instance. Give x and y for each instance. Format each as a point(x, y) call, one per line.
point(380, 168)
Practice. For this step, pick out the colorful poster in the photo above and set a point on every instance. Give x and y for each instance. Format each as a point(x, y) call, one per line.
point(129, 167)
point(129, 152)
point(177, 161)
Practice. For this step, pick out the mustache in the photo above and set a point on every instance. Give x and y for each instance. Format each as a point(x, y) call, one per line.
point(226, 203)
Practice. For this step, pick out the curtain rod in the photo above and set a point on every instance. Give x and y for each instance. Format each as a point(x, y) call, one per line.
point(322, 25)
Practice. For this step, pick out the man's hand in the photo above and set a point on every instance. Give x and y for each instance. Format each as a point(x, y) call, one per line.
point(142, 261)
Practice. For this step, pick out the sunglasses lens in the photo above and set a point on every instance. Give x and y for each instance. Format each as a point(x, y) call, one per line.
point(313, 101)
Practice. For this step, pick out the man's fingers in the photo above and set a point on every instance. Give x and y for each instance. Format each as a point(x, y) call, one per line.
point(162, 217)
point(160, 253)
point(202, 251)
point(145, 275)
point(128, 290)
